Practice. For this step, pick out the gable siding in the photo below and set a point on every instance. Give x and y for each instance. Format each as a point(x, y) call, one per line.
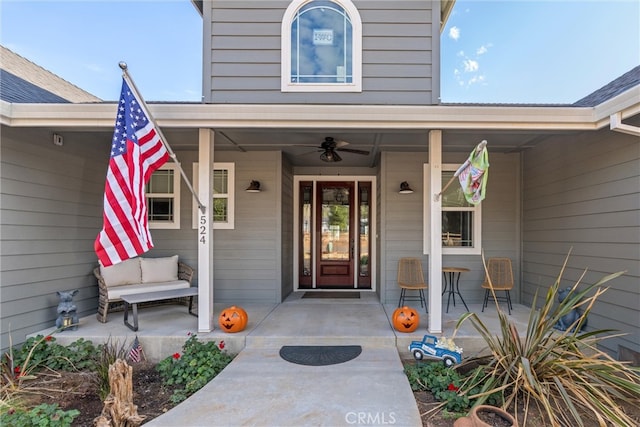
point(400, 54)
point(402, 225)
point(51, 212)
point(583, 192)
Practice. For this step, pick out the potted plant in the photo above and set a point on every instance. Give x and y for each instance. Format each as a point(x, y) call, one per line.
point(487, 416)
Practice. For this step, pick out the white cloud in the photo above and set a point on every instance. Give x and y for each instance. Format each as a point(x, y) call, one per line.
point(475, 79)
point(470, 65)
point(454, 33)
point(483, 49)
point(461, 53)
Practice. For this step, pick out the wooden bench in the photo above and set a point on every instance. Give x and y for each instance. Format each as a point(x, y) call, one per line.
point(134, 299)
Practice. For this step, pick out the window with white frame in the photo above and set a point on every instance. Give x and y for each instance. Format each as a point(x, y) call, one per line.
point(163, 197)
point(461, 220)
point(321, 47)
point(223, 204)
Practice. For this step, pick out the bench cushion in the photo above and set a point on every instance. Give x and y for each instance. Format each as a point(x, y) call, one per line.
point(159, 269)
point(118, 291)
point(124, 273)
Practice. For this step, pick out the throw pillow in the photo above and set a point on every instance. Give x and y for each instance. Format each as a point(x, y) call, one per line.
point(124, 273)
point(159, 269)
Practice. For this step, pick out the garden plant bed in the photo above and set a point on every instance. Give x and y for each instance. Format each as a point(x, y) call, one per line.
point(78, 390)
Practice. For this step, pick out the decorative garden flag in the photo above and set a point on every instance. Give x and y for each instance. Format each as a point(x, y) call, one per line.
point(135, 354)
point(137, 151)
point(474, 173)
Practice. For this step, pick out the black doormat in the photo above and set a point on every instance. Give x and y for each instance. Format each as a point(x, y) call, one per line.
point(338, 295)
point(319, 355)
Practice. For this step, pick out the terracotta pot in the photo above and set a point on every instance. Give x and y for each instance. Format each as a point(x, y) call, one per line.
point(478, 422)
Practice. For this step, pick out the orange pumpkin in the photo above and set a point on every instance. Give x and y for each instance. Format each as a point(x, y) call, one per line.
point(233, 319)
point(405, 319)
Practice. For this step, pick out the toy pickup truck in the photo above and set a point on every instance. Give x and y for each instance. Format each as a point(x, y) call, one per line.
point(443, 349)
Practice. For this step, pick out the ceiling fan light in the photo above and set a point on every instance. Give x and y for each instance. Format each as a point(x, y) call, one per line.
point(330, 156)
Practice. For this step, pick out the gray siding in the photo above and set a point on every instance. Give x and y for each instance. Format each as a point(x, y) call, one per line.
point(247, 259)
point(583, 192)
point(400, 54)
point(402, 224)
point(51, 207)
point(500, 227)
point(400, 217)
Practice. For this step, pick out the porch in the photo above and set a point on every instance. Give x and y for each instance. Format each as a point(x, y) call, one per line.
point(360, 321)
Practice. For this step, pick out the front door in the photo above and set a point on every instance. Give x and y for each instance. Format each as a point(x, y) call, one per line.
point(334, 249)
point(335, 242)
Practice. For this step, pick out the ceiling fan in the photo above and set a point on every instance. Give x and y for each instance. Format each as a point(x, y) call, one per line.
point(329, 147)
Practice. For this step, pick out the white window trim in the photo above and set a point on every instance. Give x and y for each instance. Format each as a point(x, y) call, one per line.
point(356, 26)
point(175, 224)
point(230, 224)
point(476, 249)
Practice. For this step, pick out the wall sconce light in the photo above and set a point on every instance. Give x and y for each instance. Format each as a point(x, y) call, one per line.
point(404, 188)
point(254, 187)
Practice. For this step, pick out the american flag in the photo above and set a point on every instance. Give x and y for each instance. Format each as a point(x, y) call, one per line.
point(135, 354)
point(136, 152)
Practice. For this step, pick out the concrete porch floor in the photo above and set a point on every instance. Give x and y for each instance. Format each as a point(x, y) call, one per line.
point(259, 388)
point(296, 321)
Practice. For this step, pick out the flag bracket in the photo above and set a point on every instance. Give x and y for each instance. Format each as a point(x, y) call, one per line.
point(125, 75)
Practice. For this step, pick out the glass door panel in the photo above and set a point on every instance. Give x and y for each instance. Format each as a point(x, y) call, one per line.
point(306, 243)
point(364, 240)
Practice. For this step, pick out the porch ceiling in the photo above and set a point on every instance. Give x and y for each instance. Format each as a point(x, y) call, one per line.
point(300, 146)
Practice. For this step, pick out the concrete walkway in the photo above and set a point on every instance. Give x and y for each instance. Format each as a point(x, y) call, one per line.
point(259, 388)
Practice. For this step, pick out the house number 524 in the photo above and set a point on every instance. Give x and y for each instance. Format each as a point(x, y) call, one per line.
point(203, 229)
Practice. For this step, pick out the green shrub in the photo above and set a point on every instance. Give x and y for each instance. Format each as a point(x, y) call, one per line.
point(444, 383)
point(44, 415)
point(44, 352)
point(20, 366)
point(198, 364)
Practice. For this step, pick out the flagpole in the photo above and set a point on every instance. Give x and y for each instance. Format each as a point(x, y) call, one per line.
point(127, 77)
point(479, 148)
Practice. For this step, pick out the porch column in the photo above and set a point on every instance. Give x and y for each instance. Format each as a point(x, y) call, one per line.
point(435, 232)
point(205, 231)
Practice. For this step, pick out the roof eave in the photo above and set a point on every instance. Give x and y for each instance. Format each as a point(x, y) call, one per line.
point(446, 6)
point(97, 116)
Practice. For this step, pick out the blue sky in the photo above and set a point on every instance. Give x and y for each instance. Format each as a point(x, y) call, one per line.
point(492, 51)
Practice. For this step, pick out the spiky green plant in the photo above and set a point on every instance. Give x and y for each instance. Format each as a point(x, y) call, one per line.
point(109, 352)
point(563, 373)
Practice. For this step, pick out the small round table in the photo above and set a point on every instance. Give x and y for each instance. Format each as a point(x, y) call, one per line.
point(449, 274)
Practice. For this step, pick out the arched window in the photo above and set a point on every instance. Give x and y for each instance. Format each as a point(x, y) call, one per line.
point(321, 47)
